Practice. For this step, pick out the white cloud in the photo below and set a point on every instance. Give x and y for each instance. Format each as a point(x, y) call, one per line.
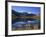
point(29, 12)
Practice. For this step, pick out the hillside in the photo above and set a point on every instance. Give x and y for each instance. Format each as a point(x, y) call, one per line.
point(22, 14)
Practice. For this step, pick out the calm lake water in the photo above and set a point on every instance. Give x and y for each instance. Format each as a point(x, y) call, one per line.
point(19, 22)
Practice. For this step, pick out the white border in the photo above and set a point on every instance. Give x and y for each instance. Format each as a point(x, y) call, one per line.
point(10, 32)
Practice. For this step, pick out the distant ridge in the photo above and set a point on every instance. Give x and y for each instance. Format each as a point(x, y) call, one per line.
point(22, 14)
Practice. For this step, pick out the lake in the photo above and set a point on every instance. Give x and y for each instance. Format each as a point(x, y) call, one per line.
point(19, 22)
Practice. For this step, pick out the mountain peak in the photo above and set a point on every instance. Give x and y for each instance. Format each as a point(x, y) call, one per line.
point(22, 13)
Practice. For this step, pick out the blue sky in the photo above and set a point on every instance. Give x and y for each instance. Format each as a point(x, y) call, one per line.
point(34, 10)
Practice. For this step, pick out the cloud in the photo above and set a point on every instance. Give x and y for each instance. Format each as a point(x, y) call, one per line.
point(29, 12)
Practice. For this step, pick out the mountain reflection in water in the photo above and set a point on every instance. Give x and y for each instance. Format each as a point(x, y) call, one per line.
point(18, 22)
point(23, 20)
